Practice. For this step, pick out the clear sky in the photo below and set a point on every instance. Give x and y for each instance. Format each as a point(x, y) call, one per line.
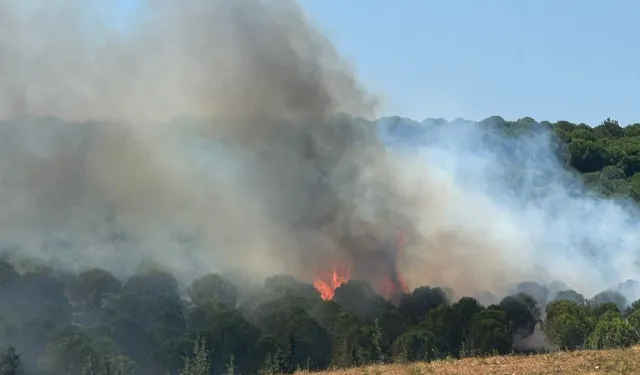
point(577, 60)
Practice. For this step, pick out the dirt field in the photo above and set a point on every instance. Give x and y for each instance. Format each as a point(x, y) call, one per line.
point(607, 362)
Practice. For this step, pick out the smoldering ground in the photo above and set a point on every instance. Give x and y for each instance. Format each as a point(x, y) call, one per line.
point(211, 134)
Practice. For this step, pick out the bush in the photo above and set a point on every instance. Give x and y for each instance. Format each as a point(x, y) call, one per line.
point(414, 345)
point(634, 320)
point(490, 332)
point(567, 325)
point(612, 332)
point(566, 332)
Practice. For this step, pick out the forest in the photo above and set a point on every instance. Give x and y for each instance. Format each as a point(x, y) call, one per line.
point(607, 156)
point(88, 321)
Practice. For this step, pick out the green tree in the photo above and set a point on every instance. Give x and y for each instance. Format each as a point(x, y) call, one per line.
point(152, 284)
point(90, 287)
point(635, 185)
point(538, 292)
point(9, 327)
point(306, 342)
point(122, 365)
point(416, 305)
point(611, 332)
point(39, 286)
point(567, 324)
point(392, 324)
point(359, 298)
point(570, 295)
point(586, 156)
point(612, 173)
point(522, 312)
point(368, 343)
point(149, 304)
point(345, 332)
point(132, 338)
point(275, 363)
point(447, 324)
point(105, 347)
point(279, 286)
point(171, 353)
point(467, 307)
point(198, 363)
point(632, 130)
point(490, 332)
point(213, 287)
point(634, 319)
point(68, 352)
point(609, 296)
point(609, 128)
point(91, 366)
point(632, 308)
point(228, 333)
point(416, 344)
point(584, 134)
point(9, 361)
point(599, 310)
point(326, 313)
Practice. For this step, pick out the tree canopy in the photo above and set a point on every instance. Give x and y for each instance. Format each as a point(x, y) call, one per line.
point(146, 325)
point(93, 322)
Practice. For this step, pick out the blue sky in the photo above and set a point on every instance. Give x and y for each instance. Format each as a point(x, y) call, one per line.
point(577, 60)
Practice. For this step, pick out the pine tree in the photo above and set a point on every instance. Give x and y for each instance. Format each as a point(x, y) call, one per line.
point(9, 361)
point(91, 366)
point(199, 363)
point(106, 364)
point(289, 365)
point(186, 370)
point(377, 341)
point(275, 363)
point(267, 365)
point(232, 366)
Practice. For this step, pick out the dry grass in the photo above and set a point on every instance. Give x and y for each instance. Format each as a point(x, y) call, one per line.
point(622, 361)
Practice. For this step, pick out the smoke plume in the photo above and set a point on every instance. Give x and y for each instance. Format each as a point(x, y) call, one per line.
point(497, 210)
point(211, 134)
point(128, 174)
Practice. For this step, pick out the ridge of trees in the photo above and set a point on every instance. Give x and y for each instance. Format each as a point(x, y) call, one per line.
point(607, 156)
point(93, 323)
point(54, 322)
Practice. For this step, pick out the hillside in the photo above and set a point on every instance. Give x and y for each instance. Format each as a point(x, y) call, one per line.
point(394, 292)
point(607, 155)
point(603, 362)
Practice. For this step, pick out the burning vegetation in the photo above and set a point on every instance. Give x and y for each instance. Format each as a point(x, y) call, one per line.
point(370, 260)
point(327, 286)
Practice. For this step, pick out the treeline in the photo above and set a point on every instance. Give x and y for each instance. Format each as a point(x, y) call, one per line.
point(92, 323)
point(54, 322)
point(607, 155)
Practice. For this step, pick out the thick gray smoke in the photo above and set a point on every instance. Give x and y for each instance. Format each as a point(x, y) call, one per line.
point(264, 180)
point(506, 208)
point(271, 176)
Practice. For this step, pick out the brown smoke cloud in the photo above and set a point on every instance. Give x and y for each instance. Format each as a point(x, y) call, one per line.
point(237, 62)
point(259, 74)
point(289, 173)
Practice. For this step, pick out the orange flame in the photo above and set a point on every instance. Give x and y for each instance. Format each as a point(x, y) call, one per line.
point(389, 285)
point(327, 288)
